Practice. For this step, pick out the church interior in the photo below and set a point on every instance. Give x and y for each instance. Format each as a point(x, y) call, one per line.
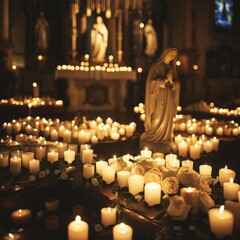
point(119, 119)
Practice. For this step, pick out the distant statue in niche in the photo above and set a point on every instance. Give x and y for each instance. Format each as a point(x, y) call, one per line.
point(99, 40)
point(161, 101)
point(151, 39)
point(41, 34)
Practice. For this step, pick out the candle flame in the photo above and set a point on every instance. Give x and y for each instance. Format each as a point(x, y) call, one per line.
point(226, 167)
point(10, 235)
point(231, 180)
point(109, 209)
point(122, 227)
point(221, 209)
point(78, 219)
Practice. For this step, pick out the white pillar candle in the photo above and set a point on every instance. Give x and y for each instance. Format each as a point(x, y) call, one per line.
point(219, 131)
point(215, 143)
point(78, 229)
point(34, 166)
point(159, 161)
point(174, 163)
point(195, 151)
point(82, 136)
point(69, 156)
point(21, 216)
point(41, 152)
point(61, 148)
point(61, 129)
point(122, 178)
point(208, 130)
point(205, 170)
point(4, 160)
point(100, 165)
point(190, 195)
point(52, 156)
point(54, 135)
point(108, 174)
point(135, 184)
point(182, 148)
point(87, 156)
point(152, 193)
point(221, 222)
point(83, 147)
point(187, 163)
point(15, 165)
point(129, 130)
point(207, 146)
point(26, 157)
point(122, 231)
point(146, 153)
point(230, 190)
point(108, 216)
point(67, 136)
point(88, 171)
point(225, 174)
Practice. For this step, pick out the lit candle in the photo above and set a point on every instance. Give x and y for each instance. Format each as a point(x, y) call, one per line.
point(26, 157)
point(205, 170)
point(108, 174)
point(15, 165)
point(152, 193)
point(78, 229)
point(221, 222)
point(190, 195)
point(159, 161)
point(108, 216)
point(54, 135)
point(83, 147)
point(67, 136)
point(215, 143)
point(34, 166)
point(187, 163)
point(225, 174)
point(21, 216)
point(207, 146)
point(230, 190)
point(88, 170)
point(61, 148)
point(182, 148)
point(69, 156)
point(122, 178)
point(87, 156)
point(219, 131)
point(135, 184)
point(146, 153)
point(52, 156)
point(40, 152)
point(100, 165)
point(122, 231)
point(12, 236)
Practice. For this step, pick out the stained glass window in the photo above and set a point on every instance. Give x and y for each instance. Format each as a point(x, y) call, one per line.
point(223, 13)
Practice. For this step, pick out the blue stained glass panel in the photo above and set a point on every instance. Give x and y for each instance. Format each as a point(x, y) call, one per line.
point(223, 13)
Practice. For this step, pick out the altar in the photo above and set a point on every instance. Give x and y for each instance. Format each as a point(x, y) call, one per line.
point(96, 87)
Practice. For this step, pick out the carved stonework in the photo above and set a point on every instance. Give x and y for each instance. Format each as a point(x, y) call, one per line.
point(96, 95)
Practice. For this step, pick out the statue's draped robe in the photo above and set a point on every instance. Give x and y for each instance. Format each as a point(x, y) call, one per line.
point(161, 103)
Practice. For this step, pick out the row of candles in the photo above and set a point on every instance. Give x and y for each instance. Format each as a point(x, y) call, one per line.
point(195, 145)
point(152, 195)
point(85, 66)
point(92, 131)
point(207, 126)
point(35, 101)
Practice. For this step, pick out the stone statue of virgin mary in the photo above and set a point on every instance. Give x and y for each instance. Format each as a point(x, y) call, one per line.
point(161, 101)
